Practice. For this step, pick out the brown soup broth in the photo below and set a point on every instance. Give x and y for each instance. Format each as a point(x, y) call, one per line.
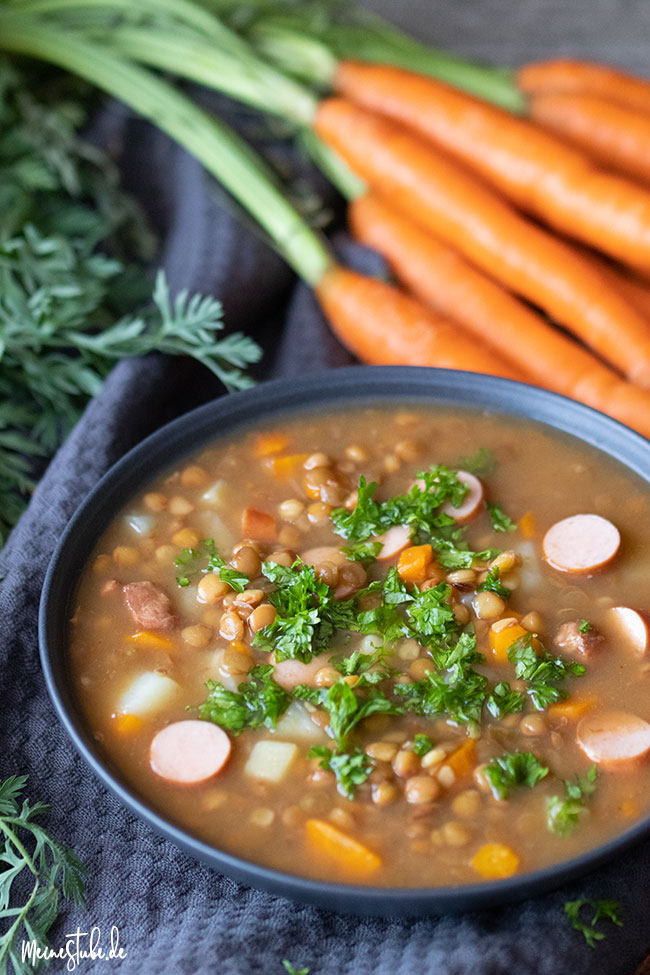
point(539, 473)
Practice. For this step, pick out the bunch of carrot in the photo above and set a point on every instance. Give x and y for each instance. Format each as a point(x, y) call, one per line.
point(521, 242)
point(484, 216)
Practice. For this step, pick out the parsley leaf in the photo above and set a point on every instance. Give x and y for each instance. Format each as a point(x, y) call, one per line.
point(563, 814)
point(259, 701)
point(541, 671)
point(430, 615)
point(585, 626)
point(511, 769)
point(492, 583)
point(350, 768)
point(503, 700)
point(345, 707)
point(459, 697)
point(205, 558)
point(500, 520)
point(307, 614)
point(364, 552)
point(609, 910)
point(422, 744)
point(481, 464)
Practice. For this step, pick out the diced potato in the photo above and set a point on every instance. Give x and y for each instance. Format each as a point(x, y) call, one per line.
point(296, 723)
point(140, 524)
point(271, 760)
point(217, 494)
point(148, 693)
point(210, 525)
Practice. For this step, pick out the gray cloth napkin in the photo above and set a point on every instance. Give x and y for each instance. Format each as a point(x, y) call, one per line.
point(174, 915)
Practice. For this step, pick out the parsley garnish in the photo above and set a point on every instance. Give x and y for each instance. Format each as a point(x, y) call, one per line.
point(345, 707)
point(29, 853)
point(585, 626)
point(608, 910)
point(541, 671)
point(416, 508)
point(563, 814)
point(512, 769)
point(205, 558)
point(259, 701)
point(350, 768)
point(492, 583)
point(500, 520)
point(422, 744)
point(364, 552)
point(459, 697)
point(481, 464)
point(307, 613)
point(503, 700)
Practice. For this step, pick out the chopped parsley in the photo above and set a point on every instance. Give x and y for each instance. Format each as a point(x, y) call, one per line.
point(350, 768)
point(492, 583)
point(307, 614)
point(542, 671)
point(459, 697)
point(500, 520)
point(481, 464)
point(563, 813)
point(363, 552)
point(422, 744)
point(585, 626)
point(205, 558)
point(512, 769)
point(346, 707)
point(416, 508)
point(603, 910)
point(503, 700)
point(259, 701)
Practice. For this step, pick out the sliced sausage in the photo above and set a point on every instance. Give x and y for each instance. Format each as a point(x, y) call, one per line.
point(472, 502)
point(189, 752)
point(614, 737)
point(393, 541)
point(571, 641)
point(289, 673)
point(631, 626)
point(323, 553)
point(150, 606)
point(581, 543)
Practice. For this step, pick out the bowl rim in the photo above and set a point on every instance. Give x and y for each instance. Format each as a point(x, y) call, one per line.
point(353, 385)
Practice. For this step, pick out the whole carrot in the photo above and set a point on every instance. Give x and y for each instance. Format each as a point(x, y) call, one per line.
point(456, 207)
point(533, 168)
point(382, 326)
point(614, 135)
point(585, 77)
point(443, 280)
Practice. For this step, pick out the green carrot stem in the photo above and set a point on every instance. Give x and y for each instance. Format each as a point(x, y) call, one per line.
point(332, 166)
point(282, 38)
point(219, 149)
point(244, 78)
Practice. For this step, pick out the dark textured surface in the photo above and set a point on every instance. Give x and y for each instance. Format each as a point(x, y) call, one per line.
point(175, 916)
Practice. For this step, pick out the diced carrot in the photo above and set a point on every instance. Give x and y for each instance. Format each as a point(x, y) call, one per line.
point(462, 760)
point(414, 563)
point(270, 443)
point(527, 525)
point(629, 808)
point(287, 465)
point(494, 861)
point(258, 524)
point(571, 709)
point(127, 724)
point(337, 845)
point(501, 640)
point(147, 638)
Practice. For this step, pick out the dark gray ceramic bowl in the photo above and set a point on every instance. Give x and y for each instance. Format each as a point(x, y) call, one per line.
point(335, 389)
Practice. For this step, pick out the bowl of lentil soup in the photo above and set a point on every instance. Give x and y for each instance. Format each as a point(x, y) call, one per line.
point(364, 639)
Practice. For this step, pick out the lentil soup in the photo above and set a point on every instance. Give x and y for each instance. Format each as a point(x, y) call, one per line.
point(435, 682)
